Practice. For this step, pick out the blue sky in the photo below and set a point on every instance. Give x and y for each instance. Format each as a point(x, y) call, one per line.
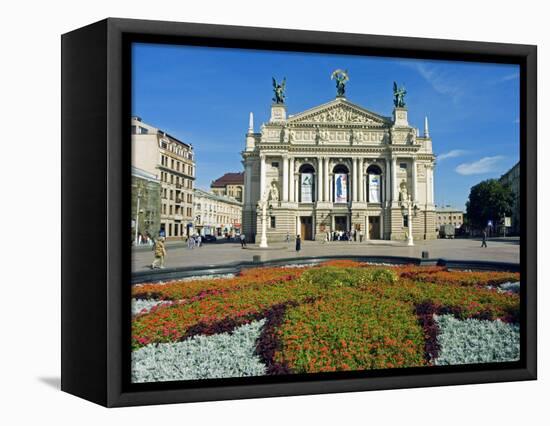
point(203, 96)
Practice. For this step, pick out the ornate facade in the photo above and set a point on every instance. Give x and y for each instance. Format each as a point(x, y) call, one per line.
point(338, 167)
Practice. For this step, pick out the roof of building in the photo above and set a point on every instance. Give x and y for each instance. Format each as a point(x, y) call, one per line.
point(161, 133)
point(202, 193)
point(514, 169)
point(228, 179)
point(144, 175)
point(447, 209)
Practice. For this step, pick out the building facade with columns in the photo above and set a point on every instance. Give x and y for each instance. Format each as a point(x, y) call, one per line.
point(338, 167)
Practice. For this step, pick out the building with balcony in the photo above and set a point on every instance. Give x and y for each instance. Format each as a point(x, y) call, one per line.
point(338, 167)
point(229, 185)
point(216, 215)
point(172, 162)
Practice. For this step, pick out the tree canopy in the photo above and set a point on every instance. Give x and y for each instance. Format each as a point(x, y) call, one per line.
point(489, 200)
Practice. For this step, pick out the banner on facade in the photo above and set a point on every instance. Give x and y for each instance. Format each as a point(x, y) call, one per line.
point(374, 188)
point(340, 188)
point(307, 187)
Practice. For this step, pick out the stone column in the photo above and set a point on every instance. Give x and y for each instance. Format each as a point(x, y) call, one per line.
point(326, 185)
point(262, 176)
point(291, 180)
point(414, 186)
point(248, 184)
point(331, 188)
point(297, 187)
point(320, 179)
point(354, 182)
point(432, 196)
point(361, 195)
point(387, 184)
point(395, 190)
point(285, 178)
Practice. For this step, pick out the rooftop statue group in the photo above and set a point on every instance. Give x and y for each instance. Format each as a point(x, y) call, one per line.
point(341, 77)
point(399, 96)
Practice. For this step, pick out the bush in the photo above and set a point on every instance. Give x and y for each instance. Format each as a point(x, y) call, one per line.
point(350, 330)
point(473, 341)
point(386, 276)
point(201, 357)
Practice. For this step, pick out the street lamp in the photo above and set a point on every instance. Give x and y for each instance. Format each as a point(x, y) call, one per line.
point(263, 206)
point(137, 216)
point(407, 203)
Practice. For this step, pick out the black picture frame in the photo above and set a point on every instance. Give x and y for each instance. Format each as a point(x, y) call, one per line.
point(95, 181)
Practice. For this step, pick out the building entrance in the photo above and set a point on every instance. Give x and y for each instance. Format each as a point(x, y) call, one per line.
point(340, 223)
point(306, 229)
point(374, 227)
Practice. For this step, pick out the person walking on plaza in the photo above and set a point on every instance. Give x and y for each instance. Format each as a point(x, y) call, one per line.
point(243, 240)
point(160, 252)
point(287, 239)
point(361, 236)
point(298, 243)
point(484, 239)
point(190, 242)
point(199, 241)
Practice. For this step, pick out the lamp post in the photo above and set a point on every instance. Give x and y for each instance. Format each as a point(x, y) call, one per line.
point(408, 204)
point(137, 216)
point(263, 238)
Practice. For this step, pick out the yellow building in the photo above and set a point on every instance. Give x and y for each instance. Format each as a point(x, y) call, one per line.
point(449, 216)
point(172, 162)
point(229, 185)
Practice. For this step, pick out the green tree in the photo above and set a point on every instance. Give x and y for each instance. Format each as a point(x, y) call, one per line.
point(488, 200)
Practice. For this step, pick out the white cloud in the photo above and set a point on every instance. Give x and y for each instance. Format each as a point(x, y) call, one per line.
point(442, 82)
point(452, 154)
point(513, 76)
point(484, 165)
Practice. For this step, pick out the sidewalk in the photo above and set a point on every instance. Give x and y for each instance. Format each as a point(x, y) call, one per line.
point(178, 255)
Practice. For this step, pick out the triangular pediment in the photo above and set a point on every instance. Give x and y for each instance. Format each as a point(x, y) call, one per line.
point(340, 111)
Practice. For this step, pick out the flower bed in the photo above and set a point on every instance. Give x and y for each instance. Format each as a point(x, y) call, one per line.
point(337, 316)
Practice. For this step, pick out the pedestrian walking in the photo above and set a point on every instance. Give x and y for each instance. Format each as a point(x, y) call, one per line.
point(160, 253)
point(361, 236)
point(287, 239)
point(328, 236)
point(298, 243)
point(243, 240)
point(190, 242)
point(199, 240)
point(484, 239)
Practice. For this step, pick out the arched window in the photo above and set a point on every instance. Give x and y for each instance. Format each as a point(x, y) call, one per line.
point(341, 184)
point(374, 184)
point(306, 184)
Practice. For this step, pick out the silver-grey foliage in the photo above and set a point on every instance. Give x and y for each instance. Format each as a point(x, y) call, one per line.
point(473, 341)
point(201, 357)
point(510, 287)
point(141, 306)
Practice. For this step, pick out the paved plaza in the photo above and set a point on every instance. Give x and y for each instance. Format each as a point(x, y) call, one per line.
point(178, 255)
